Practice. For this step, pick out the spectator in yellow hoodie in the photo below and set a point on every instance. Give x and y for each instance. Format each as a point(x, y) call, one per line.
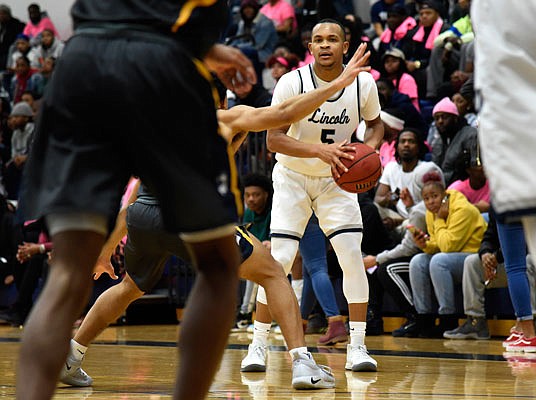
point(455, 229)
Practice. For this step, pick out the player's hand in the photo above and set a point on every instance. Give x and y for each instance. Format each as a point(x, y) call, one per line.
point(103, 266)
point(358, 63)
point(231, 65)
point(332, 153)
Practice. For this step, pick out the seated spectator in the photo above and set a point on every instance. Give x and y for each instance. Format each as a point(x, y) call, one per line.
point(23, 128)
point(48, 69)
point(50, 46)
point(283, 16)
point(10, 237)
point(464, 100)
point(23, 48)
point(392, 125)
point(394, 68)
point(39, 21)
point(399, 23)
point(10, 27)
point(454, 137)
point(482, 271)
point(392, 98)
point(476, 187)
point(448, 56)
point(378, 14)
point(353, 29)
point(32, 254)
point(304, 53)
point(280, 65)
point(255, 34)
point(395, 186)
point(455, 229)
point(393, 265)
point(258, 192)
point(419, 49)
point(29, 98)
point(25, 79)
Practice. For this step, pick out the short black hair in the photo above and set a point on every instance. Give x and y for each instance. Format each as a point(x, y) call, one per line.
point(259, 180)
point(333, 21)
point(423, 149)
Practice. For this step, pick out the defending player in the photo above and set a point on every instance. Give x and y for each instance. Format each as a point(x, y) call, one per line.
point(149, 246)
point(307, 153)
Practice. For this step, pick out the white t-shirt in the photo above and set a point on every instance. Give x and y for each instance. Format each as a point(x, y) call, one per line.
point(334, 121)
point(394, 176)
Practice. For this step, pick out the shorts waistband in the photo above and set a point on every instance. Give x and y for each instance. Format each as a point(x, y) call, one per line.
point(127, 30)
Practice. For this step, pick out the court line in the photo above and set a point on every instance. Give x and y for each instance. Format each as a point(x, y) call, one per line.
point(319, 350)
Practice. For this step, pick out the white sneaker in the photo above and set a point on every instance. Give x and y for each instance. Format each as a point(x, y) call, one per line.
point(307, 374)
point(72, 374)
point(255, 361)
point(358, 359)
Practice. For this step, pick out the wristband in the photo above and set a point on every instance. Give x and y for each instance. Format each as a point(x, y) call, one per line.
point(42, 249)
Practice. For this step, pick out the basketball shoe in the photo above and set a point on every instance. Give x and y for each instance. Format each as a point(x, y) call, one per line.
point(72, 374)
point(523, 344)
point(358, 359)
point(255, 361)
point(307, 374)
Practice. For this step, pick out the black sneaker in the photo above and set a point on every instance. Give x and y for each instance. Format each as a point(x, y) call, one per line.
point(408, 329)
point(242, 322)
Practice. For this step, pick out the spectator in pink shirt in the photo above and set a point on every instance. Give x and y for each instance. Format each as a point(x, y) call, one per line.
point(39, 21)
point(476, 187)
point(394, 68)
point(283, 16)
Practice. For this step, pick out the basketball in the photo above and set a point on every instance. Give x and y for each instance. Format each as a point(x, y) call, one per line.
point(363, 171)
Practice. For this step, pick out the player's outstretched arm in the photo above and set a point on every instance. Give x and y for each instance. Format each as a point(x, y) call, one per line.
point(103, 265)
point(244, 118)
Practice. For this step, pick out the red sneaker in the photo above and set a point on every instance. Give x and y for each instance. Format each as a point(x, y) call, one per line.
point(523, 344)
point(514, 337)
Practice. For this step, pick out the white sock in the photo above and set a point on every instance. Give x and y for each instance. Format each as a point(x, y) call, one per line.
point(260, 333)
point(357, 333)
point(295, 353)
point(77, 350)
point(297, 286)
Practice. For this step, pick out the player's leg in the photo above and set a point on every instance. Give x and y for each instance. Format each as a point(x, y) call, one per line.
point(109, 306)
point(260, 267)
point(63, 298)
point(256, 357)
point(208, 317)
point(340, 218)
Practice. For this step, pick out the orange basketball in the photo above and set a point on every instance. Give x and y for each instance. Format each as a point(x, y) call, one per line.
point(363, 171)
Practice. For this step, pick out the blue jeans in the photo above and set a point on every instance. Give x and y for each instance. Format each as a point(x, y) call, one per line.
point(435, 273)
point(315, 272)
point(513, 246)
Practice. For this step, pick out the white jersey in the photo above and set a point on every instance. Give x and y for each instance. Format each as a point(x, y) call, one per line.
point(334, 121)
point(505, 77)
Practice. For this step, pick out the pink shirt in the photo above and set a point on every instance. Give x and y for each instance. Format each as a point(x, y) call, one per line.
point(280, 12)
point(32, 30)
point(474, 196)
point(408, 86)
point(387, 152)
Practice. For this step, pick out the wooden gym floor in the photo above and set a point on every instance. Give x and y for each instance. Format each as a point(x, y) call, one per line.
point(139, 362)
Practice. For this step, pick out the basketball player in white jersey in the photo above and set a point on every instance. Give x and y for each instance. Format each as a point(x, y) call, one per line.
point(308, 151)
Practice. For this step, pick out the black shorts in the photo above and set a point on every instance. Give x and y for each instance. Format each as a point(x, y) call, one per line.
point(149, 245)
point(122, 104)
